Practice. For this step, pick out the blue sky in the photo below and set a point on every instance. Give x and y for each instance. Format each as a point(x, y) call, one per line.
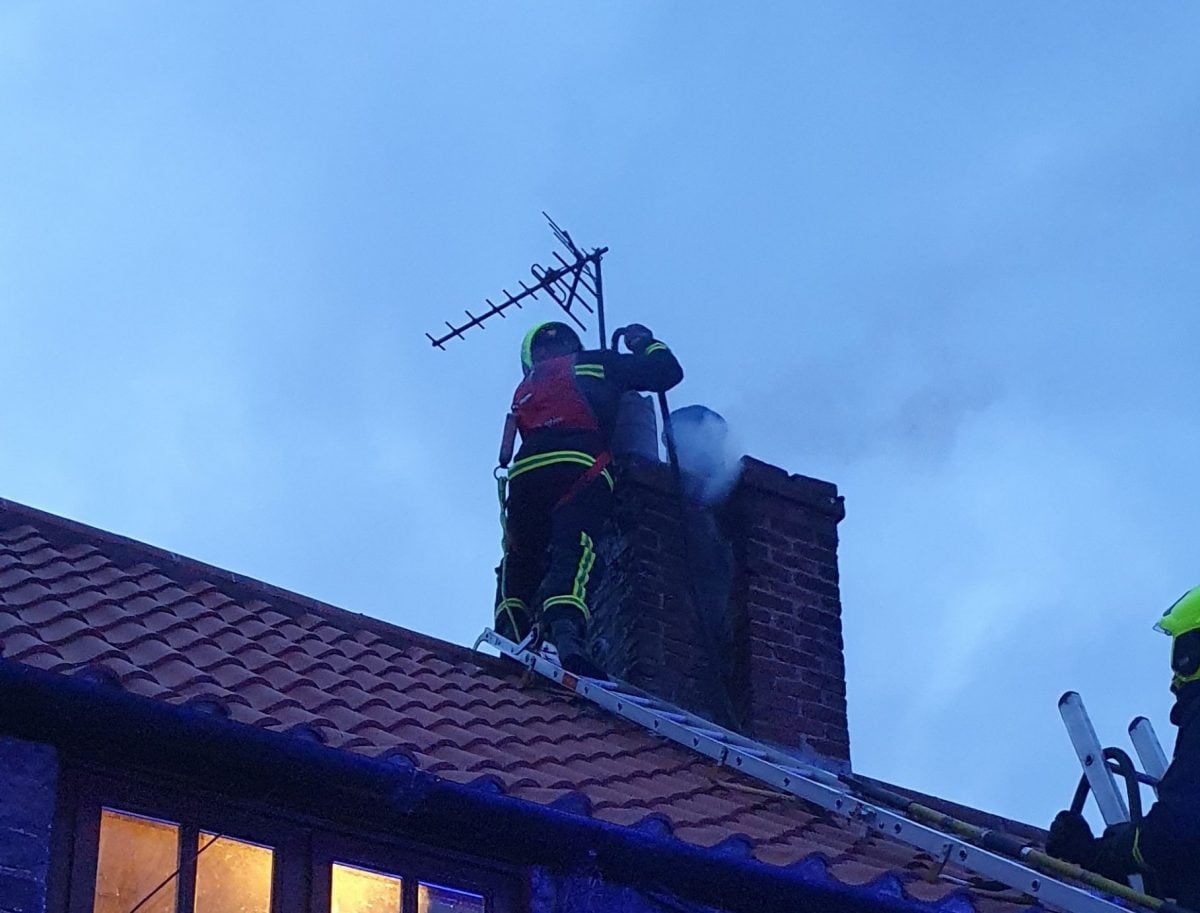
point(941, 254)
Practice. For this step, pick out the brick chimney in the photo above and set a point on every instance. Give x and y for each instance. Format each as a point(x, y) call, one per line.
point(774, 668)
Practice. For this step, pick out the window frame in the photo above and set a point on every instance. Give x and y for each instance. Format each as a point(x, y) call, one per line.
point(413, 870)
point(304, 848)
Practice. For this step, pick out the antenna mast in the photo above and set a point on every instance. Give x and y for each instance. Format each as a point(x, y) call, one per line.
point(575, 283)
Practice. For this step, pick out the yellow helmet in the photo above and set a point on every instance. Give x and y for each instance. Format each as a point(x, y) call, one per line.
point(552, 334)
point(1182, 622)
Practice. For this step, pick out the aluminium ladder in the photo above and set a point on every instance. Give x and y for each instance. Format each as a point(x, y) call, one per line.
point(1092, 757)
point(827, 790)
point(1099, 764)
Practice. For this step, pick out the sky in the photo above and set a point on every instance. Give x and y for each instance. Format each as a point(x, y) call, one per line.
point(942, 254)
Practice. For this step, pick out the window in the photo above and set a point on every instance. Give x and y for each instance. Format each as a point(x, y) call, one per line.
point(143, 850)
point(139, 867)
point(359, 890)
point(232, 876)
point(137, 856)
point(355, 890)
point(432, 898)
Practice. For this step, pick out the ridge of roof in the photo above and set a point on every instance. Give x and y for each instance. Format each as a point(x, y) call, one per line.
point(192, 570)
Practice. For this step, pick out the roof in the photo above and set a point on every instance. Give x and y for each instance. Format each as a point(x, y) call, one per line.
point(75, 599)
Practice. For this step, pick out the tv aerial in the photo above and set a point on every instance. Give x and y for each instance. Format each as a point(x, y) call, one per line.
point(575, 283)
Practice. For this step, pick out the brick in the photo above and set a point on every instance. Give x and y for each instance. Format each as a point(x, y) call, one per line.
point(22, 850)
point(788, 654)
point(824, 714)
point(20, 893)
point(793, 529)
point(768, 600)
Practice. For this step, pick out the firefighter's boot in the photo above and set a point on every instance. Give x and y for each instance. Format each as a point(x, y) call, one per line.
point(572, 650)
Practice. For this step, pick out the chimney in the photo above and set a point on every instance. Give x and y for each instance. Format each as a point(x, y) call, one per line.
point(767, 656)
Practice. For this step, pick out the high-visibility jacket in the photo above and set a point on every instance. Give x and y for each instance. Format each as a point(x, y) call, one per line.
point(1167, 843)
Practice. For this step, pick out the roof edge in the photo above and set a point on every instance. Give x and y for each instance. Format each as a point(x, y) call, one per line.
point(98, 720)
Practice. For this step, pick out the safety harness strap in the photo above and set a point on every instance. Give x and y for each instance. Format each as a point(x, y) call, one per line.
point(596, 464)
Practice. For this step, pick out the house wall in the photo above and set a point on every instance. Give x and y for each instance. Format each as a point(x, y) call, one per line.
point(28, 785)
point(766, 643)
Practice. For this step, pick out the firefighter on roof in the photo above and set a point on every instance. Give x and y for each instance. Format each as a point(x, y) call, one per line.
point(1165, 844)
point(560, 486)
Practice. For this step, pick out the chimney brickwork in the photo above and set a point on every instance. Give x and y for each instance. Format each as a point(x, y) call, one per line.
point(777, 650)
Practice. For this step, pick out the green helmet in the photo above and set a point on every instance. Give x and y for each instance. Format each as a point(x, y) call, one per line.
point(1182, 622)
point(553, 335)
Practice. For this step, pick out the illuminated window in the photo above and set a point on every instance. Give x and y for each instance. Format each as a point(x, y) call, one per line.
point(137, 864)
point(232, 876)
point(432, 898)
point(356, 890)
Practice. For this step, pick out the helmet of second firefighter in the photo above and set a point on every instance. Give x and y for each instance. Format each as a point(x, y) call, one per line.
point(1182, 622)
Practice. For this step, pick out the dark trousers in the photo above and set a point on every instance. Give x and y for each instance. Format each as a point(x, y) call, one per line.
point(550, 561)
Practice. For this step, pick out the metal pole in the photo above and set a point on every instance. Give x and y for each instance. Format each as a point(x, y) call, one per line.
point(600, 300)
point(725, 709)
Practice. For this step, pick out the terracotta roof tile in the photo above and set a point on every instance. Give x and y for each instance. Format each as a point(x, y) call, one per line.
point(21, 645)
point(171, 630)
point(86, 649)
point(23, 539)
point(124, 670)
point(147, 688)
point(64, 627)
point(15, 575)
point(231, 677)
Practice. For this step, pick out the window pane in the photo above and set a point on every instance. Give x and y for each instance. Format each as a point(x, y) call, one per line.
point(432, 898)
point(232, 876)
point(363, 891)
point(136, 856)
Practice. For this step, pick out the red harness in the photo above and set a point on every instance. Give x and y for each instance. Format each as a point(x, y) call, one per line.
point(549, 397)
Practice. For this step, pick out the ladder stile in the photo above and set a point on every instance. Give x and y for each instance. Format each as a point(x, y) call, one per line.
point(1149, 749)
point(1091, 756)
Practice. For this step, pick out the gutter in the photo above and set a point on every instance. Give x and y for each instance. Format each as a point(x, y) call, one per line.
point(94, 721)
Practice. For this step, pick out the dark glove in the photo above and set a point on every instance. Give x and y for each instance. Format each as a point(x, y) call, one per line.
point(1111, 855)
point(1114, 852)
point(637, 337)
point(1071, 839)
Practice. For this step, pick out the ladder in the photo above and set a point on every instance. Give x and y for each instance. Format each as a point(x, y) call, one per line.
point(989, 853)
point(1099, 767)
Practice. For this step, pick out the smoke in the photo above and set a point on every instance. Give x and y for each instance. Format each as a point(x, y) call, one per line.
point(708, 457)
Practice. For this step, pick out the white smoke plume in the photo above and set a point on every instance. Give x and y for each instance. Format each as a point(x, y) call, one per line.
point(708, 457)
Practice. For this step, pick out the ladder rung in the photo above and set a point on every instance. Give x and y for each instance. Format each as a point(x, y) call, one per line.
point(647, 702)
point(752, 752)
point(673, 716)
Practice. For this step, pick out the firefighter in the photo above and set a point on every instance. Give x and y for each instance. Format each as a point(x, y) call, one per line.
point(1165, 844)
point(560, 485)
